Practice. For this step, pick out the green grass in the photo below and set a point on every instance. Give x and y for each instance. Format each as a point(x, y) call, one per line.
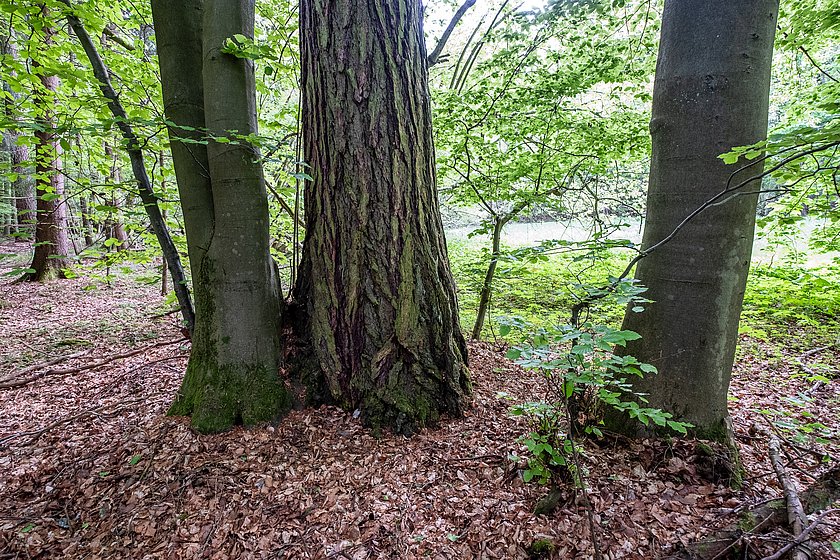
point(781, 302)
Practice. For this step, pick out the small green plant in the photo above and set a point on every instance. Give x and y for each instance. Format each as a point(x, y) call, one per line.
point(582, 375)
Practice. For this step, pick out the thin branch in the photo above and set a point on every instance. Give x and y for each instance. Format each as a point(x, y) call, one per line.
point(9, 383)
point(802, 537)
point(34, 435)
point(434, 58)
point(714, 201)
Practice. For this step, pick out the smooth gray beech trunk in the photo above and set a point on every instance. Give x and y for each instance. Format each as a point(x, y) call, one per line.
point(376, 310)
point(710, 94)
point(232, 376)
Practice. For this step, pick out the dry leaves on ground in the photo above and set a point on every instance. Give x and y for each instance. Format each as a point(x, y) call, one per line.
point(113, 477)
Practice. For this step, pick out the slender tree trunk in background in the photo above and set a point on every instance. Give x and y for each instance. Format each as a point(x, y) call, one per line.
point(52, 245)
point(24, 191)
point(377, 315)
point(113, 224)
point(87, 226)
point(138, 169)
point(23, 188)
point(487, 286)
point(710, 94)
point(232, 376)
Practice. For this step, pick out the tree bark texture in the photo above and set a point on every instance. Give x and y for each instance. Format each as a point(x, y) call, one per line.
point(710, 94)
point(377, 307)
point(178, 29)
point(23, 187)
point(232, 376)
point(52, 246)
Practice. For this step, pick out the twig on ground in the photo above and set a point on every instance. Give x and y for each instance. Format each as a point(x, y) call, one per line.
point(15, 383)
point(796, 515)
point(36, 434)
point(821, 457)
point(48, 363)
point(801, 538)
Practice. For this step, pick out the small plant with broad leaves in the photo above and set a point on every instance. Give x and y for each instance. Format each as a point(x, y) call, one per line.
point(583, 375)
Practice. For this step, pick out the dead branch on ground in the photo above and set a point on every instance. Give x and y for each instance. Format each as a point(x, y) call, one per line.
point(795, 513)
point(15, 381)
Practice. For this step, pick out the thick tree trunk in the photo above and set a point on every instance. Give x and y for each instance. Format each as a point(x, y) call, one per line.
point(710, 94)
point(178, 34)
point(232, 376)
point(52, 245)
point(377, 306)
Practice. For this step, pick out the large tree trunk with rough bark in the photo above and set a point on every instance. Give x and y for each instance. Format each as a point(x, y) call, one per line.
point(710, 94)
point(232, 376)
point(52, 246)
point(376, 306)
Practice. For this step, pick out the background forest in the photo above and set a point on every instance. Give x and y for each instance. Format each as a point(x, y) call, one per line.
point(541, 123)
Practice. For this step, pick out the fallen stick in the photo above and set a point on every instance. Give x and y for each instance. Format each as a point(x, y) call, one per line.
point(48, 363)
point(795, 514)
point(759, 520)
point(13, 384)
point(36, 434)
point(803, 536)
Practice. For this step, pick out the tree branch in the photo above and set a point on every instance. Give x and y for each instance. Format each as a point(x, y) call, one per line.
point(434, 57)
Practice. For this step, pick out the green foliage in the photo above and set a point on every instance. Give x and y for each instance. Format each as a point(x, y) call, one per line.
point(533, 287)
point(582, 375)
point(781, 298)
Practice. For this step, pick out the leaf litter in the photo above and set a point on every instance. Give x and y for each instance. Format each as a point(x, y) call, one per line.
point(112, 477)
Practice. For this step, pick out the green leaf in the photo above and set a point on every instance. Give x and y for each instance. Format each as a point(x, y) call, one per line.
point(729, 158)
point(134, 460)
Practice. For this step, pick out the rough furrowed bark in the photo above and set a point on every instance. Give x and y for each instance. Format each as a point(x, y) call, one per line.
point(233, 376)
point(377, 307)
point(709, 96)
point(51, 242)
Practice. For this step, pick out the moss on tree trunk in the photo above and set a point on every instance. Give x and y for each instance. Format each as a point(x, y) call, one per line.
point(377, 312)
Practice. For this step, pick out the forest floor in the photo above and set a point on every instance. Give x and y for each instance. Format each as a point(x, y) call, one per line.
point(90, 466)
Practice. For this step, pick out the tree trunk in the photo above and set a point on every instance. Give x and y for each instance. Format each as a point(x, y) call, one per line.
point(87, 226)
point(51, 242)
point(710, 94)
point(178, 32)
point(487, 287)
point(114, 228)
point(23, 186)
point(232, 376)
point(24, 191)
point(377, 306)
